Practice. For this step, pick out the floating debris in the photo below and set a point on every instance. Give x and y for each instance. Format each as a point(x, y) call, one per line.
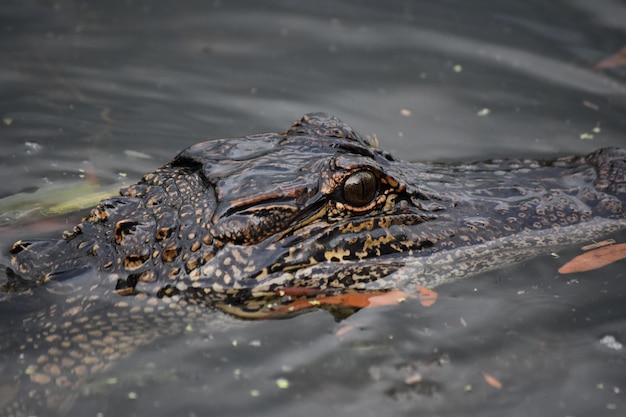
point(282, 383)
point(32, 147)
point(586, 136)
point(492, 381)
point(137, 154)
point(413, 379)
point(598, 244)
point(610, 342)
point(615, 60)
point(105, 114)
point(343, 330)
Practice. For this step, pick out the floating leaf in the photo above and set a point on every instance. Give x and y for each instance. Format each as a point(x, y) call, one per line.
point(591, 105)
point(105, 114)
point(343, 330)
point(595, 259)
point(615, 60)
point(77, 203)
point(362, 300)
point(387, 298)
point(492, 381)
point(57, 199)
point(355, 300)
point(426, 296)
point(598, 244)
point(413, 379)
point(137, 154)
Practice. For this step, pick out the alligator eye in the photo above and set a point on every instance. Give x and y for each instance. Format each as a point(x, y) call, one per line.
point(360, 188)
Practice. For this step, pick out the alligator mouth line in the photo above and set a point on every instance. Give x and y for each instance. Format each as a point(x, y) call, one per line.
point(314, 210)
point(254, 201)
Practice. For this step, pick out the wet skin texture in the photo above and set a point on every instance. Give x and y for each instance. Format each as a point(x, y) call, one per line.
point(231, 223)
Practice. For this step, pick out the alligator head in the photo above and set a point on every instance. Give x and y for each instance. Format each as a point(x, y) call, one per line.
point(319, 206)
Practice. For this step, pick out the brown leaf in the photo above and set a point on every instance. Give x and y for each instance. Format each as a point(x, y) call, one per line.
point(615, 60)
point(595, 259)
point(492, 381)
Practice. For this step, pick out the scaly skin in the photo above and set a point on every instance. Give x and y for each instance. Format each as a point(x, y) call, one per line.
point(231, 222)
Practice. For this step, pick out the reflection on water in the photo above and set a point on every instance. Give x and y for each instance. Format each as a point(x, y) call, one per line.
point(104, 92)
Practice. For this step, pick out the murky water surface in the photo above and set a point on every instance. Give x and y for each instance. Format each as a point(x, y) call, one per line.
point(94, 94)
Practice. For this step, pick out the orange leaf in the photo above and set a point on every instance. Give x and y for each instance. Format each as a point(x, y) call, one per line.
point(387, 298)
point(362, 300)
point(492, 381)
point(595, 259)
point(357, 300)
point(426, 296)
point(615, 60)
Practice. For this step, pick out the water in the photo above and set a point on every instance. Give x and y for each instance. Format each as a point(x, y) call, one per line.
point(102, 92)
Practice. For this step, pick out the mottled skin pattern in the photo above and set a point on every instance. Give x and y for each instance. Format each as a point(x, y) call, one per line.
point(230, 223)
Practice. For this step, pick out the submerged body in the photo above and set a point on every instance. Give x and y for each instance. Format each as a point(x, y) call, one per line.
point(233, 222)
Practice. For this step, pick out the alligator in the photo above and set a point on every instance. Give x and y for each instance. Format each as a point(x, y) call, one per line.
point(240, 224)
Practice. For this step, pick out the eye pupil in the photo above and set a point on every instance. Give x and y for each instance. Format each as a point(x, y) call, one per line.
point(360, 188)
